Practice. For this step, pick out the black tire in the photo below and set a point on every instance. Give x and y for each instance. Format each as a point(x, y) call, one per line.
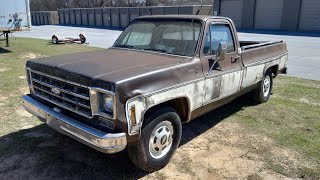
point(55, 39)
point(140, 152)
point(262, 94)
point(83, 38)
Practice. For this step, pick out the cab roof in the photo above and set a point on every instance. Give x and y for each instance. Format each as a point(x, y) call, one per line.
point(195, 17)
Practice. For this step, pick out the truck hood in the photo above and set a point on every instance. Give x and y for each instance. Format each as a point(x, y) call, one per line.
point(111, 65)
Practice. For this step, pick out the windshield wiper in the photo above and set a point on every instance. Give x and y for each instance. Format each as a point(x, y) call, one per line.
point(154, 49)
point(124, 46)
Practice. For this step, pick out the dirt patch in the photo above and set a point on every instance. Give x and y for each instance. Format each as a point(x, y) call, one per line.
point(228, 151)
point(31, 56)
point(306, 101)
point(24, 90)
point(4, 69)
point(28, 126)
point(3, 100)
point(23, 113)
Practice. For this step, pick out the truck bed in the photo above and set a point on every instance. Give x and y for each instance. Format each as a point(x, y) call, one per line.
point(259, 51)
point(253, 44)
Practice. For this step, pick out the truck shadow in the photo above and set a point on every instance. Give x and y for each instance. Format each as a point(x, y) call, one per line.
point(2, 51)
point(42, 152)
point(205, 122)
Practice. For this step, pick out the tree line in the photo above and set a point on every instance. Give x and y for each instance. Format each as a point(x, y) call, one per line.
point(53, 5)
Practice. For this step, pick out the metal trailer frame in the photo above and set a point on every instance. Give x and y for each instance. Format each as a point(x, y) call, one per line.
point(6, 35)
point(81, 40)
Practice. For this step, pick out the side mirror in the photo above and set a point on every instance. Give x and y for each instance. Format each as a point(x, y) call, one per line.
point(222, 49)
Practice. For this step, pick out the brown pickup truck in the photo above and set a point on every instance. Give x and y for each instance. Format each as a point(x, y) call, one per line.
point(161, 72)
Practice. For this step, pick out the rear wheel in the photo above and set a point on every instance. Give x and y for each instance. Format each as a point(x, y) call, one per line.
point(55, 39)
point(263, 92)
point(160, 138)
point(83, 38)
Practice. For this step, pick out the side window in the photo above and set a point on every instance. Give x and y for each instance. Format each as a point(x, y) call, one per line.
point(218, 33)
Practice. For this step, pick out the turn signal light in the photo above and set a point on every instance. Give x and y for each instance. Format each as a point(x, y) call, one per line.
point(133, 115)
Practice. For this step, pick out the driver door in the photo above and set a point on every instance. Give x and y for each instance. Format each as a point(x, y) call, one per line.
point(224, 78)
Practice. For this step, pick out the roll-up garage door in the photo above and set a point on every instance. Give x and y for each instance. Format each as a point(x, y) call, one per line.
point(232, 9)
point(268, 14)
point(310, 15)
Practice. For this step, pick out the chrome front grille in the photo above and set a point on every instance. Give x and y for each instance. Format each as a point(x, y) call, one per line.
point(68, 95)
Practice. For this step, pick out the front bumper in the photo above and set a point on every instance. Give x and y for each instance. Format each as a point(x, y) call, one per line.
point(101, 141)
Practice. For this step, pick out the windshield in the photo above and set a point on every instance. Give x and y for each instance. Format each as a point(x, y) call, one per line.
point(178, 37)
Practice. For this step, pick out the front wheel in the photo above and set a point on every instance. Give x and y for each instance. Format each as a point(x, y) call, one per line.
point(160, 138)
point(263, 92)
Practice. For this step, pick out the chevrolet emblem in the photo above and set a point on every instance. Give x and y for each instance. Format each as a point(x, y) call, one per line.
point(56, 91)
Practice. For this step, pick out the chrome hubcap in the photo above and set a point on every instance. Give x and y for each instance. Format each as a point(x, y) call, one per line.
point(161, 139)
point(266, 86)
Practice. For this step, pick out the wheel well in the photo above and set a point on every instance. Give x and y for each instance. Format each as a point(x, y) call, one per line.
point(181, 105)
point(274, 69)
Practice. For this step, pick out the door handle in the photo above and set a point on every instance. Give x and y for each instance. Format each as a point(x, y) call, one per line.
point(235, 59)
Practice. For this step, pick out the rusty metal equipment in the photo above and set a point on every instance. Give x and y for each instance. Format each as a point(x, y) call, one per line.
point(81, 40)
point(6, 35)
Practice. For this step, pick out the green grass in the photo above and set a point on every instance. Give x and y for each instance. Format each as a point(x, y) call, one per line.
point(291, 116)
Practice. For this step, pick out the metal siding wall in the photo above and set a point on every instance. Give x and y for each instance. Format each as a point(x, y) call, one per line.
point(124, 17)
point(310, 15)
point(72, 16)
point(106, 17)
point(248, 14)
point(84, 17)
point(98, 16)
point(232, 9)
point(78, 16)
point(157, 10)
point(133, 12)
point(115, 17)
point(268, 14)
point(61, 17)
point(91, 17)
point(171, 10)
point(45, 18)
point(66, 16)
point(290, 14)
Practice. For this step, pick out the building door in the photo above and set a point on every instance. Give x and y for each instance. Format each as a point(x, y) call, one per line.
point(310, 15)
point(268, 14)
point(233, 10)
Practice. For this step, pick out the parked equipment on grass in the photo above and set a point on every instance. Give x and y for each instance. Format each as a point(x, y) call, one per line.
point(14, 16)
point(81, 40)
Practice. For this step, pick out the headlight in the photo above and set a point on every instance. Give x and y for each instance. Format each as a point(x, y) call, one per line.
point(102, 102)
point(108, 103)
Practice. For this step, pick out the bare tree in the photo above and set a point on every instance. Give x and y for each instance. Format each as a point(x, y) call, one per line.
point(52, 5)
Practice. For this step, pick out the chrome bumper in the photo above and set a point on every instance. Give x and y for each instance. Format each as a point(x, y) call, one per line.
point(101, 141)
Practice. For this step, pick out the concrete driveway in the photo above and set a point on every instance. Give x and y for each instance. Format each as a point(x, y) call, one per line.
point(304, 54)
